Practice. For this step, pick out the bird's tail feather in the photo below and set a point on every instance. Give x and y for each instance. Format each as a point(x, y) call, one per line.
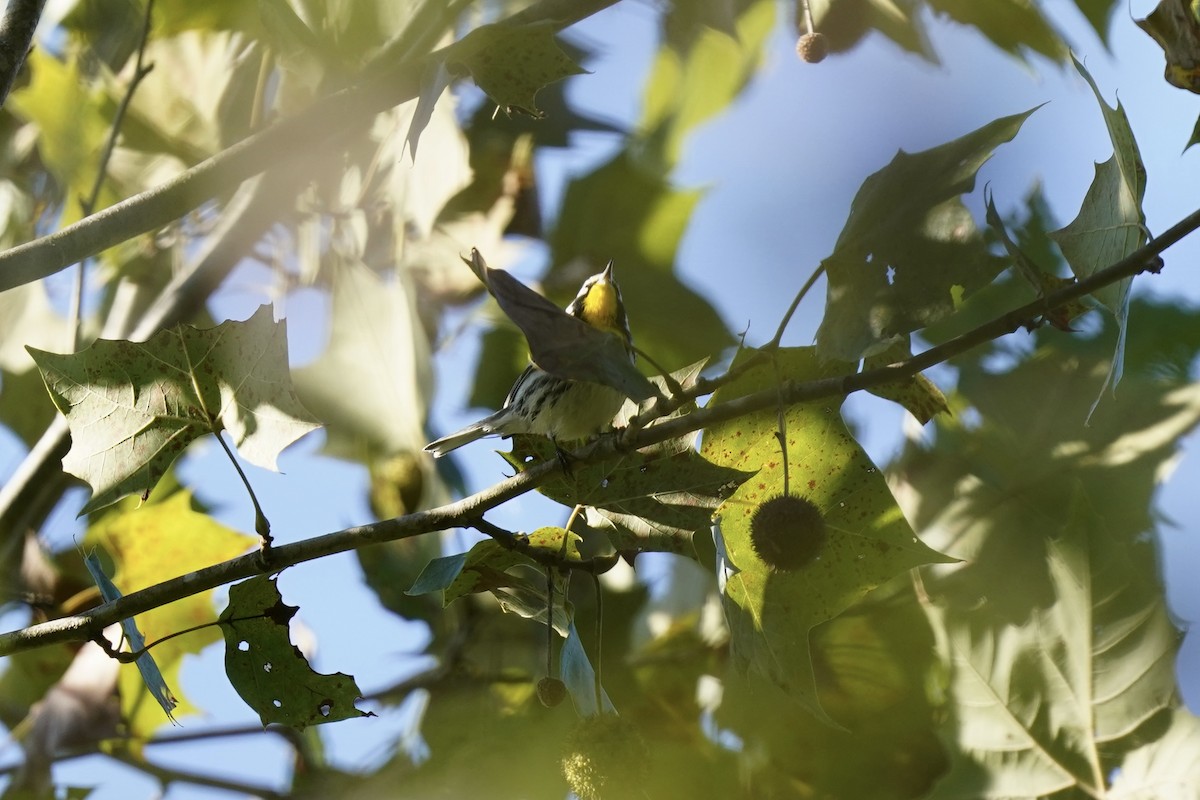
point(453, 441)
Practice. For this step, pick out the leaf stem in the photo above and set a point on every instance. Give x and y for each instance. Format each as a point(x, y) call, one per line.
point(262, 526)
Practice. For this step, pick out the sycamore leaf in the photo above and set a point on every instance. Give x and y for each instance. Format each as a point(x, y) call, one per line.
point(710, 53)
point(511, 63)
point(1110, 224)
point(1175, 25)
point(163, 538)
point(269, 672)
point(918, 394)
point(151, 675)
point(133, 407)
point(1039, 701)
point(1042, 281)
point(1167, 768)
point(371, 384)
point(772, 612)
point(910, 251)
point(1011, 25)
point(653, 500)
point(845, 24)
point(559, 343)
point(516, 580)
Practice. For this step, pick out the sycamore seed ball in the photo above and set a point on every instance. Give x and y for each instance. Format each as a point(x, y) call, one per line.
point(551, 691)
point(787, 532)
point(812, 48)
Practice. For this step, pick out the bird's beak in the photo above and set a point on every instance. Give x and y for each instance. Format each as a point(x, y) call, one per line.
point(607, 275)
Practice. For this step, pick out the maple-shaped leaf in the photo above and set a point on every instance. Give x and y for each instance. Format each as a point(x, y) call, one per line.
point(165, 536)
point(772, 608)
point(133, 407)
point(512, 62)
point(269, 672)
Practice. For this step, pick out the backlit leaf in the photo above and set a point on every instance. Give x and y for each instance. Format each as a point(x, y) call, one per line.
point(269, 672)
point(133, 407)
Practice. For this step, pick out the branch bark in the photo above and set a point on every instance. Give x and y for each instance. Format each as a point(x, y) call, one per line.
point(16, 34)
point(89, 624)
point(383, 84)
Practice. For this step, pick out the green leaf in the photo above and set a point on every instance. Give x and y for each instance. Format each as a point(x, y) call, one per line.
point(1175, 25)
point(1011, 25)
point(71, 127)
point(372, 383)
point(910, 251)
point(511, 63)
point(1039, 701)
point(699, 70)
point(133, 407)
point(1110, 224)
point(771, 613)
point(1166, 768)
point(269, 672)
point(160, 539)
point(844, 24)
point(515, 579)
point(24, 407)
point(629, 213)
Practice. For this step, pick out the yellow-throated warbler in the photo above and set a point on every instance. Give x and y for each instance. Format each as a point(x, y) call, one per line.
point(545, 404)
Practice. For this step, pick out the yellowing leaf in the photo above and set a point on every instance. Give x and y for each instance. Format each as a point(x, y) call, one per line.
point(133, 407)
point(71, 126)
point(918, 394)
point(148, 544)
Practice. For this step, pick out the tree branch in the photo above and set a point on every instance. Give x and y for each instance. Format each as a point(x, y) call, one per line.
point(382, 85)
point(16, 34)
point(88, 624)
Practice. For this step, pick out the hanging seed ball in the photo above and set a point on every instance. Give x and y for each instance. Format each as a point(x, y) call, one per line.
point(551, 691)
point(605, 759)
point(812, 48)
point(787, 532)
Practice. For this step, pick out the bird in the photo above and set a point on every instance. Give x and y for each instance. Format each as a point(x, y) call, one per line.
point(547, 405)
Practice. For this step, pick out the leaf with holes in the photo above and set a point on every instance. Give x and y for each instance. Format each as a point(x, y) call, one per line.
point(772, 609)
point(133, 407)
point(269, 672)
point(512, 62)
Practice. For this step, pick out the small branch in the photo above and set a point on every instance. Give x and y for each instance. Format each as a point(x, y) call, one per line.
point(469, 510)
point(140, 71)
point(393, 78)
point(16, 35)
point(787, 316)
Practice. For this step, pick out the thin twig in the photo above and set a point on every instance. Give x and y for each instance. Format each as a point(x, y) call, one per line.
point(469, 510)
point(393, 78)
point(140, 71)
point(787, 316)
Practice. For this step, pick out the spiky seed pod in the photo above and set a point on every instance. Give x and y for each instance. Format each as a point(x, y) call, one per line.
point(787, 532)
point(812, 48)
point(551, 691)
